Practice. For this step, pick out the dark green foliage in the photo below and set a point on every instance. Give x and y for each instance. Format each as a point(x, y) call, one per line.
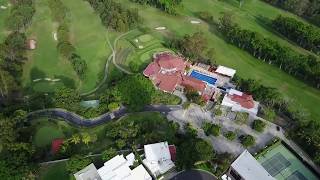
point(76, 163)
point(304, 67)
point(12, 58)
point(307, 36)
point(223, 162)
point(211, 129)
point(114, 15)
point(108, 154)
point(17, 152)
point(192, 150)
point(168, 6)
point(21, 15)
point(258, 125)
point(309, 9)
point(66, 98)
point(141, 130)
point(247, 140)
point(135, 91)
point(190, 131)
point(230, 135)
point(193, 96)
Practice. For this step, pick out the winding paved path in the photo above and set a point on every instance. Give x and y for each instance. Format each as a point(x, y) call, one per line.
point(78, 120)
point(106, 68)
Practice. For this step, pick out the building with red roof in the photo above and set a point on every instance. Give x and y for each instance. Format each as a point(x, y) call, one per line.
point(173, 152)
point(56, 145)
point(239, 101)
point(167, 71)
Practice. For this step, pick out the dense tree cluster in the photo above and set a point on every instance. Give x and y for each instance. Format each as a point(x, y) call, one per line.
point(310, 9)
point(168, 6)
point(20, 15)
point(65, 47)
point(305, 67)
point(13, 49)
point(307, 36)
point(114, 15)
point(17, 151)
point(12, 58)
point(193, 46)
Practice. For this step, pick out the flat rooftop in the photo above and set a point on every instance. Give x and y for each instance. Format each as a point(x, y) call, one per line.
point(282, 164)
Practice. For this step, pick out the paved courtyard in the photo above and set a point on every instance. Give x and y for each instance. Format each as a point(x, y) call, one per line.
point(195, 115)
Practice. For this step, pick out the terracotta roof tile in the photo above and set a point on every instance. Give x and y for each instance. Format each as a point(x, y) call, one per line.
point(245, 100)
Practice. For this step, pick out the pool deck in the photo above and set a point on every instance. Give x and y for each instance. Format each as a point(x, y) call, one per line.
point(295, 163)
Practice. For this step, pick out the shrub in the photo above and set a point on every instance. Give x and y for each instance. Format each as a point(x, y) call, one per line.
point(211, 129)
point(218, 112)
point(230, 135)
point(215, 130)
point(247, 140)
point(242, 117)
point(258, 125)
point(108, 154)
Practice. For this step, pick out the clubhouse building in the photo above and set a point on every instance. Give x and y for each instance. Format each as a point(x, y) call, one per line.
point(170, 72)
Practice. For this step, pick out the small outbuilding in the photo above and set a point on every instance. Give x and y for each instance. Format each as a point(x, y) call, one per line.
point(32, 44)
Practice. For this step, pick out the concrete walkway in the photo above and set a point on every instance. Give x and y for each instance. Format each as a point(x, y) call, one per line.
point(196, 116)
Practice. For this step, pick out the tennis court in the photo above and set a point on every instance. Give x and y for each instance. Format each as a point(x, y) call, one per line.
point(282, 164)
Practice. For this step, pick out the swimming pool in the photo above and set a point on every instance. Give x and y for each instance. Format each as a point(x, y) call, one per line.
point(203, 77)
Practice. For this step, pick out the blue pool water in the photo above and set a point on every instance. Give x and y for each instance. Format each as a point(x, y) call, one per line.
point(203, 77)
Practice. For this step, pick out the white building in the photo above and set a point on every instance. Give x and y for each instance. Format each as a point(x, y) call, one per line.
point(246, 167)
point(158, 158)
point(88, 173)
point(241, 102)
point(226, 71)
point(117, 168)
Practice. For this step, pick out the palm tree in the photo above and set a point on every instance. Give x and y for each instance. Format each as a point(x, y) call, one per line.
point(86, 138)
point(75, 139)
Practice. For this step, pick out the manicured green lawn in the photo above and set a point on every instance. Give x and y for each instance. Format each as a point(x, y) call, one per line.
point(46, 133)
point(44, 61)
point(89, 38)
point(87, 34)
point(3, 15)
point(130, 52)
point(55, 171)
point(302, 95)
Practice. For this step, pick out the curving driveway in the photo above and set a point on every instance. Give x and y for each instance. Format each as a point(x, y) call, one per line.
point(78, 120)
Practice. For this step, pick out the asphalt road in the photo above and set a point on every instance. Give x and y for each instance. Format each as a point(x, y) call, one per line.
point(193, 175)
point(78, 120)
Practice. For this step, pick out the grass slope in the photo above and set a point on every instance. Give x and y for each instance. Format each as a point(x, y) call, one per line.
point(3, 15)
point(44, 61)
point(226, 54)
point(89, 38)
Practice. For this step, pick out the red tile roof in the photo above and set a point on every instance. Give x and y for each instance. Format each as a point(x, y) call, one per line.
point(151, 69)
point(56, 145)
point(245, 100)
point(169, 61)
point(173, 152)
point(194, 83)
point(166, 80)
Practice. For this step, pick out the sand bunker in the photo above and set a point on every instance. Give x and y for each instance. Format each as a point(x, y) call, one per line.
point(55, 36)
point(195, 22)
point(3, 7)
point(160, 28)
